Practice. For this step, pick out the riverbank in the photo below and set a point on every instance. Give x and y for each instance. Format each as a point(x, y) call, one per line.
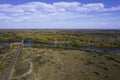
point(61, 38)
point(114, 50)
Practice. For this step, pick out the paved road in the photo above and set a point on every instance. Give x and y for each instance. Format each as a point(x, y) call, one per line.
point(8, 73)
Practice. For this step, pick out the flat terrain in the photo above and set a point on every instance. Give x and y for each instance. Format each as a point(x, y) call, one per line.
point(56, 54)
point(60, 64)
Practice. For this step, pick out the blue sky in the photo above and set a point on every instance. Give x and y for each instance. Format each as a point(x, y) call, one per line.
point(77, 14)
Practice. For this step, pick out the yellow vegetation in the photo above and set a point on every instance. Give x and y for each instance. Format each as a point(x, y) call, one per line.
point(16, 44)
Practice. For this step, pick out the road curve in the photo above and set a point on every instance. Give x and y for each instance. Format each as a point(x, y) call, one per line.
point(27, 73)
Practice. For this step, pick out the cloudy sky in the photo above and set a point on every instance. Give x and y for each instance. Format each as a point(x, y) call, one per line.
point(68, 14)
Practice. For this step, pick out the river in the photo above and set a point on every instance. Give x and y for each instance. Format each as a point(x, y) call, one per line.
point(115, 50)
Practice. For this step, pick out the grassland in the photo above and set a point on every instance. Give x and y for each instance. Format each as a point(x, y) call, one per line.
point(41, 61)
point(60, 64)
point(5, 60)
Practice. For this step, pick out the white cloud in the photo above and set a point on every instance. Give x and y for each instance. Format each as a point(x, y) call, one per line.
point(112, 8)
point(66, 6)
point(3, 17)
point(93, 7)
point(40, 10)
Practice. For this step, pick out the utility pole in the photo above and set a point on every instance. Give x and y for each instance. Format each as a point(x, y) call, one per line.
point(55, 42)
